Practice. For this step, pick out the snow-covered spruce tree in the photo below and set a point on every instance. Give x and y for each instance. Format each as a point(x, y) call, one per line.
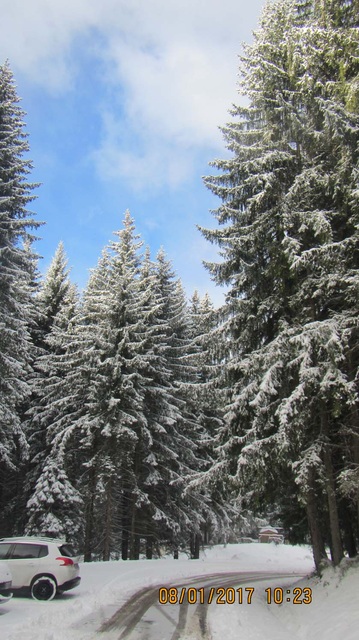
point(55, 507)
point(289, 241)
point(138, 417)
point(103, 406)
point(77, 342)
point(57, 306)
point(97, 398)
point(89, 352)
point(124, 425)
point(183, 433)
point(154, 458)
point(17, 265)
point(95, 417)
point(207, 401)
point(53, 291)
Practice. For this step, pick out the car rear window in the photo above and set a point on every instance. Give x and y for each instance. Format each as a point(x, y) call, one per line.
point(4, 548)
point(26, 550)
point(67, 550)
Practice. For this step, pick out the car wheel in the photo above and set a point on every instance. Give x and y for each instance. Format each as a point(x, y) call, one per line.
point(43, 588)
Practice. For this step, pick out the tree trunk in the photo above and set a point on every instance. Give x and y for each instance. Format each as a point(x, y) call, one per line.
point(89, 516)
point(205, 533)
point(135, 534)
point(346, 519)
point(194, 546)
point(136, 547)
point(336, 542)
point(354, 418)
point(124, 544)
point(149, 548)
point(319, 553)
point(106, 551)
point(355, 428)
point(125, 522)
point(135, 538)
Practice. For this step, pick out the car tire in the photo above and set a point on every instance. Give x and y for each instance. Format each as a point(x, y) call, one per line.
point(43, 588)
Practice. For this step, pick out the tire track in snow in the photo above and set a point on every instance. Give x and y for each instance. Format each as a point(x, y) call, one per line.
point(187, 621)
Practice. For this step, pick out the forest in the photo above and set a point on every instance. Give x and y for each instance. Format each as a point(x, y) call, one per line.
point(135, 421)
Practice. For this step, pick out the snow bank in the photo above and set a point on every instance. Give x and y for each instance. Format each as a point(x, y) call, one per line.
point(334, 613)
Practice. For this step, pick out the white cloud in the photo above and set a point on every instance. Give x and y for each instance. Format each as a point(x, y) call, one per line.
point(145, 162)
point(181, 95)
point(171, 64)
point(37, 36)
point(176, 66)
point(147, 170)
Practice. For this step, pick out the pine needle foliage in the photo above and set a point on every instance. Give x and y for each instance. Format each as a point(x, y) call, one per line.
point(288, 238)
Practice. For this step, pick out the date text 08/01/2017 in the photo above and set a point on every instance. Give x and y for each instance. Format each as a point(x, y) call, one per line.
point(230, 595)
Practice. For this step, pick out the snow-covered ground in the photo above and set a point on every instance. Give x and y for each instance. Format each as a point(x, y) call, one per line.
point(333, 613)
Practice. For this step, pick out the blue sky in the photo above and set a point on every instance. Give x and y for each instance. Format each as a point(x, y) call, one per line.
point(124, 99)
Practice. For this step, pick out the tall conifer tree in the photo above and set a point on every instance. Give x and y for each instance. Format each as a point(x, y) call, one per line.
point(17, 267)
point(289, 241)
point(50, 501)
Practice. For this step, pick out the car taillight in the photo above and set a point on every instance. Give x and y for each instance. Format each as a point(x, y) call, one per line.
point(65, 562)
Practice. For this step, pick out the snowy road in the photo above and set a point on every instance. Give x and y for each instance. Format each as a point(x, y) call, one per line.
point(143, 617)
point(120, 600)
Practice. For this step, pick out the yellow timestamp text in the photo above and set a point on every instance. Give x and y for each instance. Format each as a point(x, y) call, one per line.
point(297, 595)
point(232, 595)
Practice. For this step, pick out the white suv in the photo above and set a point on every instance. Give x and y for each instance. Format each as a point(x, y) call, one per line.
point(5, 583)
point(46, 566)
